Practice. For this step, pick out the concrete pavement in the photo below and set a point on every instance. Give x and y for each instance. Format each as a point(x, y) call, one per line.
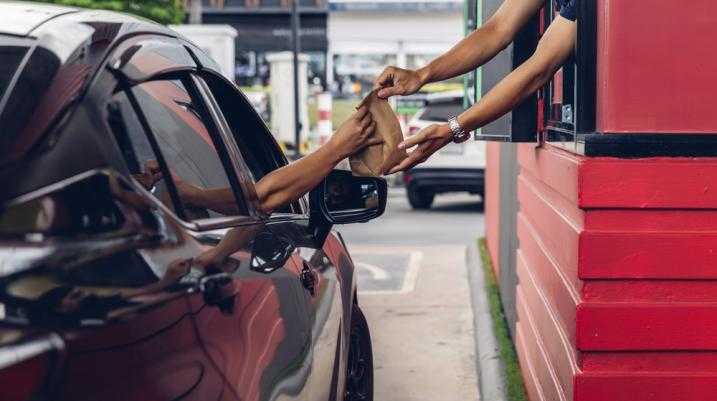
point(415, 291)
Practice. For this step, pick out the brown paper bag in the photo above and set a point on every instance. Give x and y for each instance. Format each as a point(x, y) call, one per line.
point(377, 160)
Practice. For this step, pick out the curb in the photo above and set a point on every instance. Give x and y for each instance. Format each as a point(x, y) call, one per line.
point(491, 381)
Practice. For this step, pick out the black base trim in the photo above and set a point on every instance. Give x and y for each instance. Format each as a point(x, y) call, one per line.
point(636, 145)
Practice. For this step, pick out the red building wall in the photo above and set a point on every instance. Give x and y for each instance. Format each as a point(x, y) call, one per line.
point(617, 256)
point(617, 298)
point(549, 224)
point(657, 68)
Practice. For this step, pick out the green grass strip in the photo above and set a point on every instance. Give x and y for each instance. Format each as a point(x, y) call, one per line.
point(513, 379)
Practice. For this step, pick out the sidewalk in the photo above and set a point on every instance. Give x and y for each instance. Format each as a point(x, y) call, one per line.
point(421, 321)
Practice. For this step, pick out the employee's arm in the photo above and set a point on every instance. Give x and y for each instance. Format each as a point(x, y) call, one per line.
point(471, 52)
point(554, 48)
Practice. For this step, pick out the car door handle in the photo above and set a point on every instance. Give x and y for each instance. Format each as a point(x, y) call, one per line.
point(216, 290)
point(308, 278)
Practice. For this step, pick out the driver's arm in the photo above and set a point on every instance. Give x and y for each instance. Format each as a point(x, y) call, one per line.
point(276, 189)
point(287, 184)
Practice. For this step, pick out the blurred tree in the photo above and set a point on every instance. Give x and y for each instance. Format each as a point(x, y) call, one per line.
point(162, 11)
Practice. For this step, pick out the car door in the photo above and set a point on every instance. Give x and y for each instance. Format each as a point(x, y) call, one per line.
point(254, 330)
point(120, 298)
point(321, 290)
point(322, 299)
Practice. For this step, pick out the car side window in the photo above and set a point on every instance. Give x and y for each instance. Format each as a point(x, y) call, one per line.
point(258, 148)
point(176, 122)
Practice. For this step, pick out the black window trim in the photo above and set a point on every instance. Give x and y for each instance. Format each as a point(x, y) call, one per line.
point(125, 87)
point(231, 157)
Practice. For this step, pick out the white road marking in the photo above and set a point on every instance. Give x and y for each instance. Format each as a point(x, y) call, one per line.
point(378, 273)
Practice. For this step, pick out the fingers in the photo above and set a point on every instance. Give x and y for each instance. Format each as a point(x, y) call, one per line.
point(385, 93)
point(385, 78)
point(371, 128)
point(366, 121)
point(413, 140)
point(387, 81)
point(360, 112)
point(430, 132)
point(374, 141)
point(413, 158)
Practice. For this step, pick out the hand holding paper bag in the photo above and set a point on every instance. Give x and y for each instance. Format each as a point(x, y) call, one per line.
point(377, 160)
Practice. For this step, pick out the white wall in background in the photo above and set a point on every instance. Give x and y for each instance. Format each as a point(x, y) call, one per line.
point(216, 40)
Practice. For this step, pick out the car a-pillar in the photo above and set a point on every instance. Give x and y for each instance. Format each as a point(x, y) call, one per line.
point(613, 238)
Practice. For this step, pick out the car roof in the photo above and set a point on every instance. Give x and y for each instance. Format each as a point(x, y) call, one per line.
point(21, 18)
point(62, 48)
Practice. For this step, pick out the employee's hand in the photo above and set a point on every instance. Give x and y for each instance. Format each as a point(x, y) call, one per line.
point(355, 133)
point(398, 81)
point(428, 141)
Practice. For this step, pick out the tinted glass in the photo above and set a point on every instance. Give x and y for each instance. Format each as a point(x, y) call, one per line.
point(186, 145)
point(135, 146)
point(146, 58)
point(11, 57)
point(255, 143)
point(442, 111)
point(23, 118)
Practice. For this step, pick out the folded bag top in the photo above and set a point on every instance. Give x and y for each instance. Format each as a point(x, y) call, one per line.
point(377, 160)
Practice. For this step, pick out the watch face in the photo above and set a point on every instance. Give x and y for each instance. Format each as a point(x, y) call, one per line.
point(462, 137)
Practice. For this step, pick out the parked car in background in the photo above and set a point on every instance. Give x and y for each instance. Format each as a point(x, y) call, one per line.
point(115, 287)
point(457, 167)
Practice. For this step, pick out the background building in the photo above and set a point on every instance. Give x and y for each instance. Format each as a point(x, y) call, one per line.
point(365, 36)
point(264, 26)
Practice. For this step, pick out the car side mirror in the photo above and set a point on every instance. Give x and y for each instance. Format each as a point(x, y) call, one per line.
point(343, 198)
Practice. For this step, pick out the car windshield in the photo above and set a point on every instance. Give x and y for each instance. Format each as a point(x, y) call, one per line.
point(441, 111)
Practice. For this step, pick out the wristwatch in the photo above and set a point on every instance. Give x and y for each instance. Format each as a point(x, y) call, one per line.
point(459, 134)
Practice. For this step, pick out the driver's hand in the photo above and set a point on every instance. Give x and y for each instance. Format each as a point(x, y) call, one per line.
point(355, 133)
point(177, 269)
point(398, 81)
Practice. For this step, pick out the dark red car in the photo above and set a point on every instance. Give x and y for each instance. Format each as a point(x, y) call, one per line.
point(112, 286)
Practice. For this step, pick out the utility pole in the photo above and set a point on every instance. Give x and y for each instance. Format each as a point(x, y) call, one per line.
point(295, 29)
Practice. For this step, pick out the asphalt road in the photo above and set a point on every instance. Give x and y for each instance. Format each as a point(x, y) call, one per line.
point(414, 290)
point(453, 219)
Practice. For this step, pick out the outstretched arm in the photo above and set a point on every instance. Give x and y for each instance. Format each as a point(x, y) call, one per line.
point(473, 51)
point(287, 184)
point(554, 48)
